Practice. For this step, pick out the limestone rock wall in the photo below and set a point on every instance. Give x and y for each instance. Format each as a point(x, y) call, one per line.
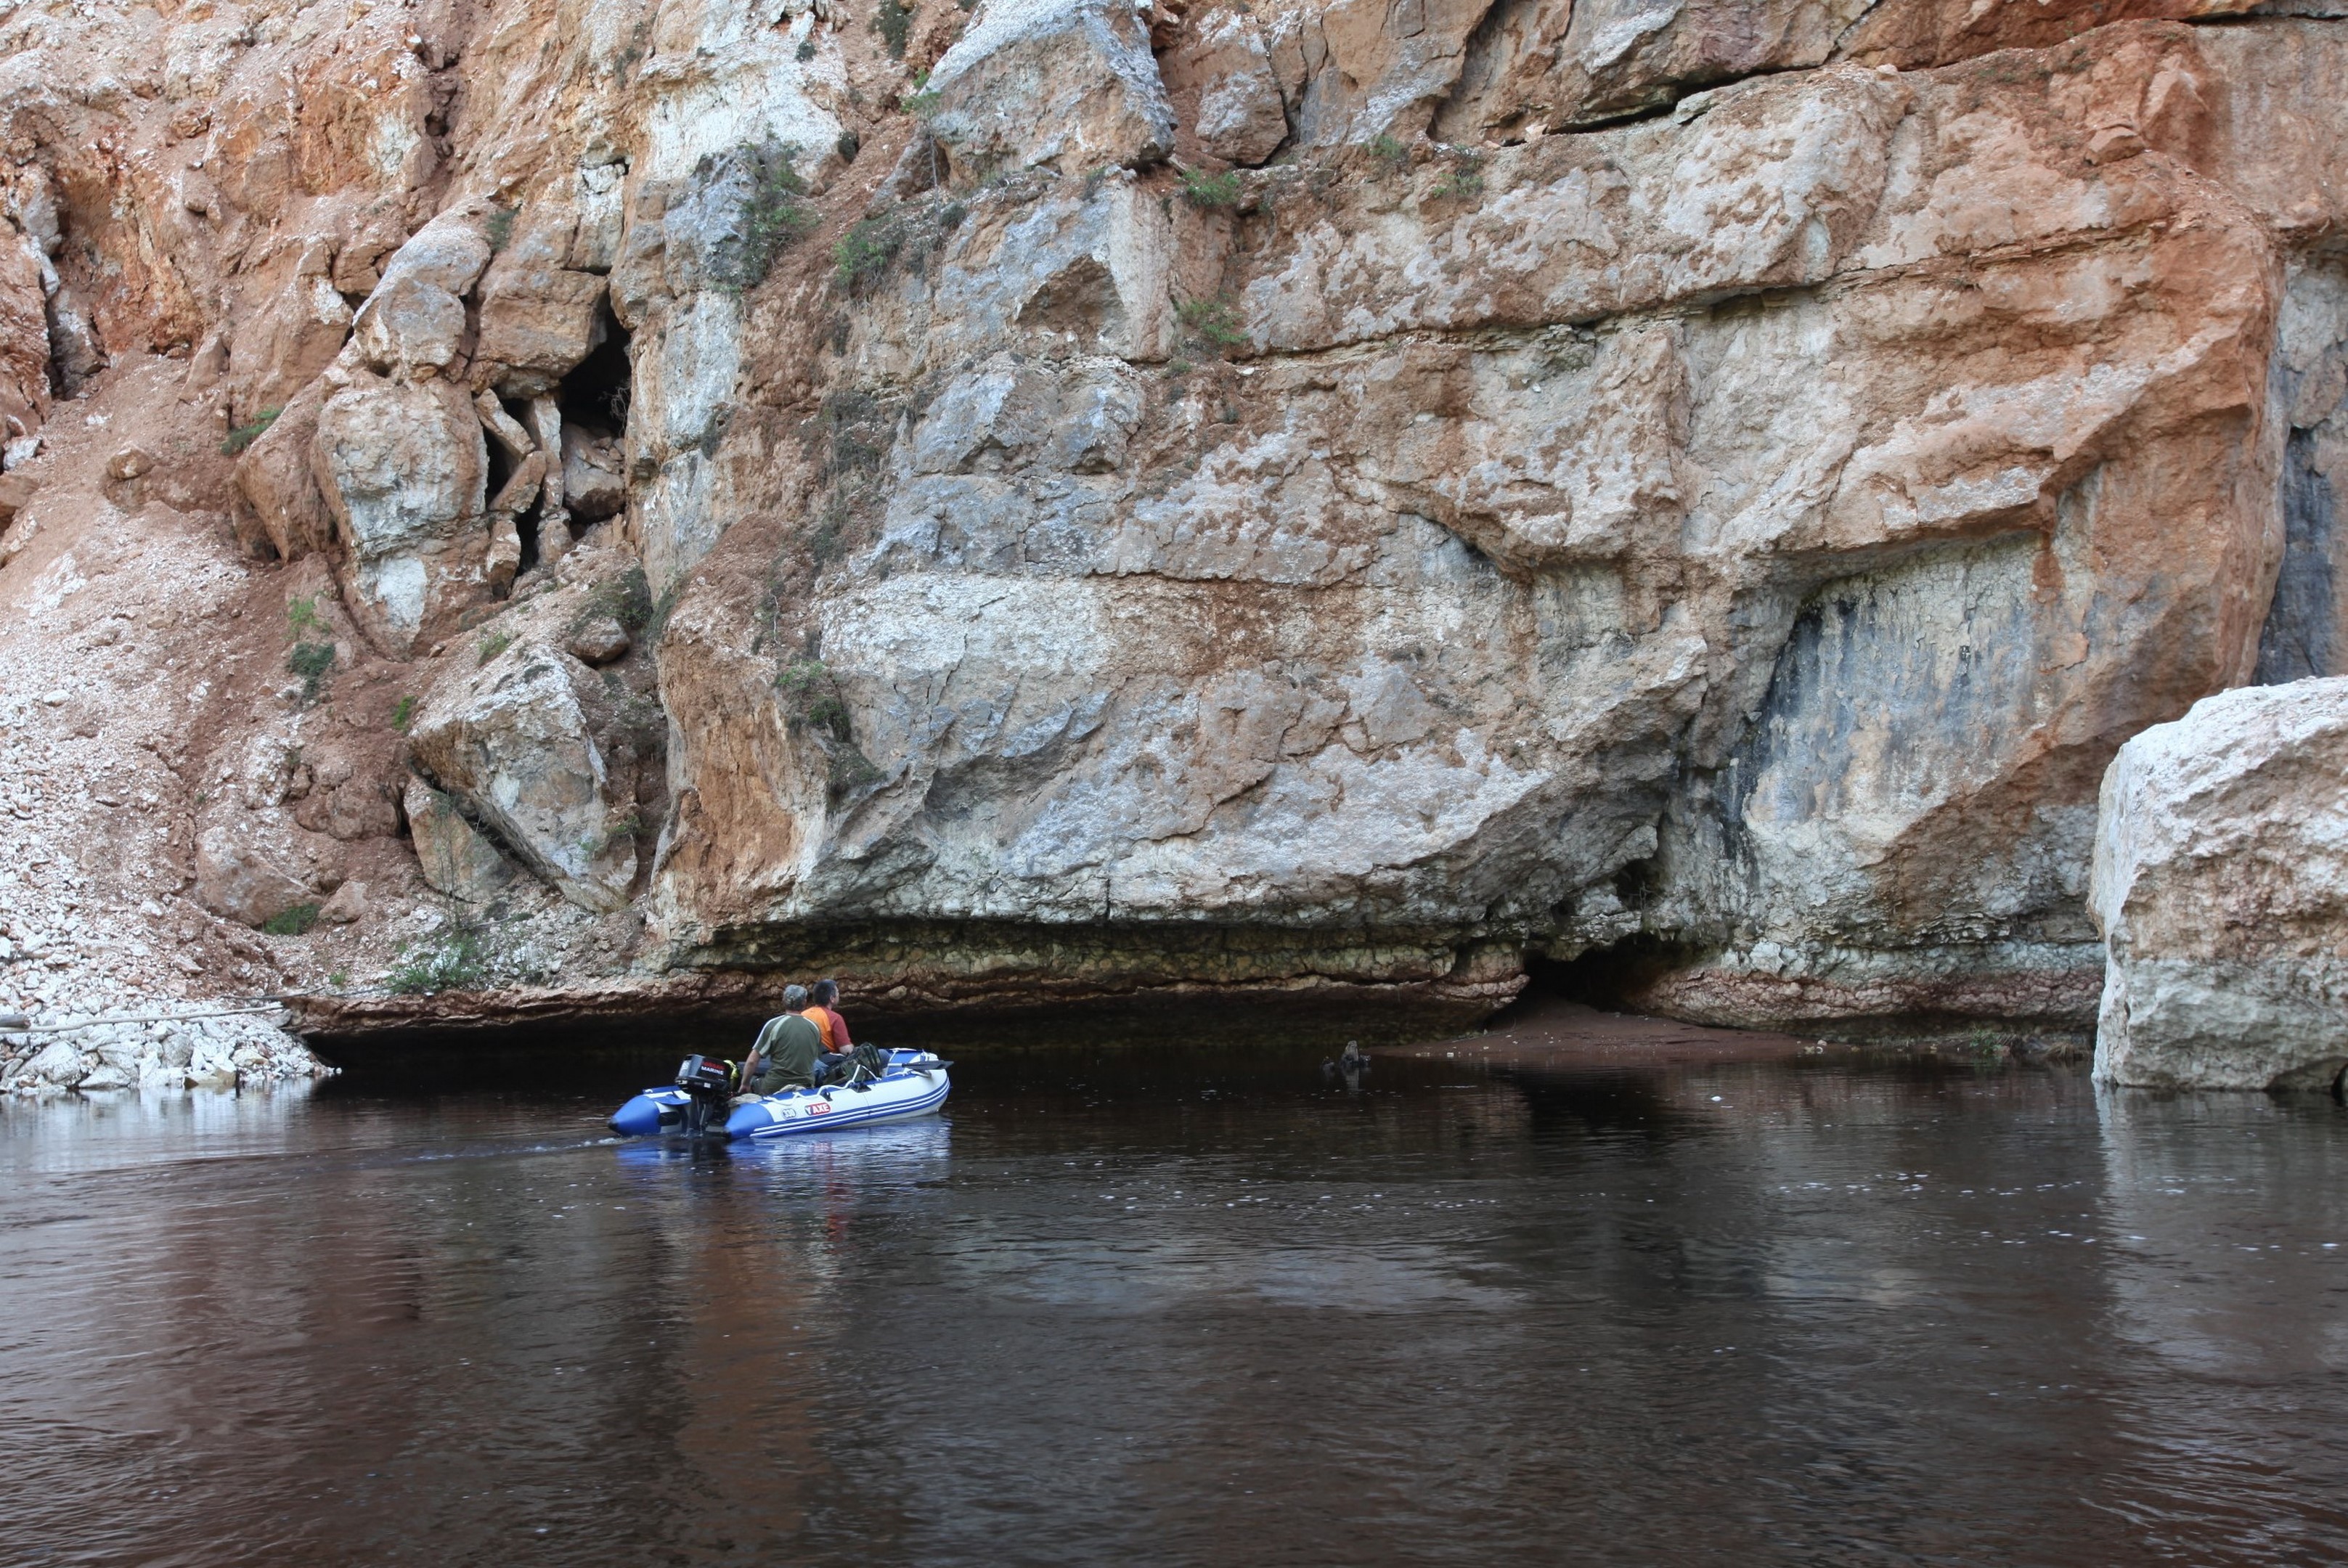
point(1068, 498)
point(1748, 532)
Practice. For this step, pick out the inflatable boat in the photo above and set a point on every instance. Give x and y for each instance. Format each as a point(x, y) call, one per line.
point(913, 1084)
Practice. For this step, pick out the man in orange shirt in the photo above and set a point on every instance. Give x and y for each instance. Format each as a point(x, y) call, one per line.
point(823, 1016)
point(841, 1056)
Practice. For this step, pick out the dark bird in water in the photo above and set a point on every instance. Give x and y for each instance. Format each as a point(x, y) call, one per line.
point(1352, 1064)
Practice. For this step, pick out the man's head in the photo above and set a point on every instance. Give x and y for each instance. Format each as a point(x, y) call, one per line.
point(825, 992)
point(795, 997)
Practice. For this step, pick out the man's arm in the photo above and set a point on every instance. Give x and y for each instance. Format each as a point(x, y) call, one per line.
point(754, 1064)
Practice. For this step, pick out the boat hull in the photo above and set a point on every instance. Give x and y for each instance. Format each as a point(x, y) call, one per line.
point(899, 1095)
point(915, 1084)
point(653, 1111)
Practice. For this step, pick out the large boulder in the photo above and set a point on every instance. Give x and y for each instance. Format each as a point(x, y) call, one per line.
point(2220, 884)
point(514, 742)
point(539, 318)
point(414, 324)
point(403, 467)
point(279, 482)
point(253, 860)
point(411, 328)
point(253, 867)
point(16, 493)
point(1068, 83)
point(594, 485)
point(449, 253)
point(293, 335)
point(1223, 77)
point(457, 859)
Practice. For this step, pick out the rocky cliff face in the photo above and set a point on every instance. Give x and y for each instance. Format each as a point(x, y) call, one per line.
point(1057, 500)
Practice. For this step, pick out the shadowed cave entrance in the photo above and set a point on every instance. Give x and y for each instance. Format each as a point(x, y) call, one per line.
point(596, 394)
point(488, 1045)
point(595, 400)
point(1607, 977)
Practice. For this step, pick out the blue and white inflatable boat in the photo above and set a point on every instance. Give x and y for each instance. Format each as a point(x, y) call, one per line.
point(914, 1084)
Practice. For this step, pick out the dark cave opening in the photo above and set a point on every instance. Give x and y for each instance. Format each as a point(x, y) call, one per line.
point(596, 394)
point(1606, 978)
point(500, 470)
point(593, 400)
point(501, 465)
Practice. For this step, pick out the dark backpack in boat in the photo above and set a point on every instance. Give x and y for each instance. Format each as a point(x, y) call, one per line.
point(864, 1062)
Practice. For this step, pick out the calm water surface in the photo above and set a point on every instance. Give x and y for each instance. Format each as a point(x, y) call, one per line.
point(1158, 1311)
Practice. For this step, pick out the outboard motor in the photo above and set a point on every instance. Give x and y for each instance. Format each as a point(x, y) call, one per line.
point(708, 1085)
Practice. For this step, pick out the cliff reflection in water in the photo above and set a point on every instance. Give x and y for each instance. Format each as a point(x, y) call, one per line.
point(1189, 1310)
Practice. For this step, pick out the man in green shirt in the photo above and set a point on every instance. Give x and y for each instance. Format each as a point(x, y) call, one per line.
point(787, 1052)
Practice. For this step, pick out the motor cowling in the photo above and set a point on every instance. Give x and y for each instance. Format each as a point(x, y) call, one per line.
point(705, 1075)
point(708, 1084)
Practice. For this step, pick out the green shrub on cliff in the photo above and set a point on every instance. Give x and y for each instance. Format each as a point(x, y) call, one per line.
point(775, 216)
point(614, 832)
point(311, 661)
point(802, 676)
point(1203, 189)
point(626, 598)
point(1465, 180)
point(457, 959)
point(894, 23)
point(864, 252)
point(293, 922)
point(922, 103)
point(244, 436)
point(1213, 323)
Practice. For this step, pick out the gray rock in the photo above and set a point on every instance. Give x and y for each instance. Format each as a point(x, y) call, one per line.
point(1070, 83)
point(1240, 118)
point(449, 253)
point(539, 319)
point(410, 328)
point(593, 485)
point(1086, 269)
point(253, 865)
point(600, 640)
point(512, 740)
point(16, 493)
point(455, 857)
point(283, 343)
point(2220, 884)
point(347, 906)
point(276, 476)
point(403, 469)
point(545, 422)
